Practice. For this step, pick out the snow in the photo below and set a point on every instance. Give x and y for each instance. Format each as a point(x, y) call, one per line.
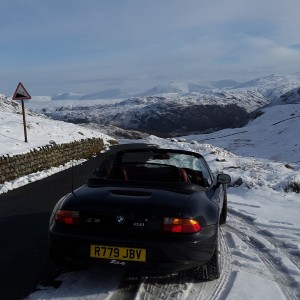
point(261, 241)
point(254, 284)
point(273, 86)
point(40, 130)
point(274, 135)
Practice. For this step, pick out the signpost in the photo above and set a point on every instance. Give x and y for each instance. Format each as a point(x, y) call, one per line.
point(22, 94)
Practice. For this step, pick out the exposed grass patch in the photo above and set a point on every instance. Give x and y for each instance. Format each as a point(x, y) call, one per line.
point(293, 186)
point(288, 166)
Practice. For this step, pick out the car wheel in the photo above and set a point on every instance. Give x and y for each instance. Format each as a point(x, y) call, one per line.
point(212, 269)
point(223, 215)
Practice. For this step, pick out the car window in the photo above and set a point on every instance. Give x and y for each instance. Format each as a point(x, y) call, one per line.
point(162, 165)
point(179, 160)
point(205, 171)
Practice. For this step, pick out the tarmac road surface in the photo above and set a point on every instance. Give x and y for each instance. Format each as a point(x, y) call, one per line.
point(24, 217)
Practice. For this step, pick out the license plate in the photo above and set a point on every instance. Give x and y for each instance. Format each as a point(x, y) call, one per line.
point(119, 253)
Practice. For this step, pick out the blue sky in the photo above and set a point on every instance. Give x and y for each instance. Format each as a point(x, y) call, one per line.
point(87, 46)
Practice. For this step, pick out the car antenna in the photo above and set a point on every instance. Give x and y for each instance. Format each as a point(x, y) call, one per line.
point(72, 169)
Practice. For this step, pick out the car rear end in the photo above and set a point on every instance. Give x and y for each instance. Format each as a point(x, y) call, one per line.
point(152, 230)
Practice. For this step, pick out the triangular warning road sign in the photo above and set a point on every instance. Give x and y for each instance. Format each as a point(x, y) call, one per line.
point(21, 93)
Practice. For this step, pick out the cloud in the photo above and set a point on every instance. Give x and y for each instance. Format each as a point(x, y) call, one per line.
point(57, 46)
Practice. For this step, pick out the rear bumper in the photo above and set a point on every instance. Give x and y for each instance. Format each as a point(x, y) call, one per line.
point(164, 254)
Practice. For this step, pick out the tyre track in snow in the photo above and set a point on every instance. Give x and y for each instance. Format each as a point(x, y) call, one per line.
point(210, 290)
point(181, 285)
point(164, 287)
point(169, 287)
point(270, 251)
point(278, 244)
point(128, 288)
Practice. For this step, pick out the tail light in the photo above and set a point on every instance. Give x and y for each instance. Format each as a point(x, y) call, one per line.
point(69, 217)
point(181, 225)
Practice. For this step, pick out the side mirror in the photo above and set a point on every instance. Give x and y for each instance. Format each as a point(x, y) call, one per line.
point(223, 178)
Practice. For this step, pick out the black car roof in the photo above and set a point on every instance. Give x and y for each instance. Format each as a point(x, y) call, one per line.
point(139, 147)
point(160, 150)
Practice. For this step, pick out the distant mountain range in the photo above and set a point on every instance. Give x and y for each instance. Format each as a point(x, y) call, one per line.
point(272, 87)
point(169, 115)
point(179, 108)
point(107, 94)
point(168, 88)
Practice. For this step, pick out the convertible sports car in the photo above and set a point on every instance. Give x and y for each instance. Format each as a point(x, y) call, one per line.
point(153, 210)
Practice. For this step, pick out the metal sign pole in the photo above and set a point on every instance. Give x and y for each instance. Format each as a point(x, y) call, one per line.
point(24, 121)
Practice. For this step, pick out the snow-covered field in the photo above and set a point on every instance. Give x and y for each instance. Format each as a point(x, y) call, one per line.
point(261, 241)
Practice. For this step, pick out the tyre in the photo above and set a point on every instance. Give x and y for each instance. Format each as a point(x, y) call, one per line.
point(212, 269)
point(223, 215)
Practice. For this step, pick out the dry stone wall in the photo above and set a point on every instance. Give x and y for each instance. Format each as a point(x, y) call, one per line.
point(42, 158)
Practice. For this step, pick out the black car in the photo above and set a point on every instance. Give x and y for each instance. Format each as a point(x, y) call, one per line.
point(149, 209)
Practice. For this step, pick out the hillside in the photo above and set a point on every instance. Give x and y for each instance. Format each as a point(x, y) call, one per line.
point(273, 135)
point(40, 130)
point(273, 86)
point(290, 97)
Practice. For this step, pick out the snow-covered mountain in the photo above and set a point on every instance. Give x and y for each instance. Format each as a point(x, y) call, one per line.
point(67, 96)
point(170, 115)
point(171, 87)
point(290, 97)
point(180, 108)
point(106, 94)
point(273, 86)
point(178, 87)
point(183, 108)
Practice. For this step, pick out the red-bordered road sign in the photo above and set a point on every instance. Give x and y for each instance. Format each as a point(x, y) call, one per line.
point(21, 93)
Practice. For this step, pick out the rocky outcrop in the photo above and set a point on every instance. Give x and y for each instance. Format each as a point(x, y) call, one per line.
point(176, 121)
